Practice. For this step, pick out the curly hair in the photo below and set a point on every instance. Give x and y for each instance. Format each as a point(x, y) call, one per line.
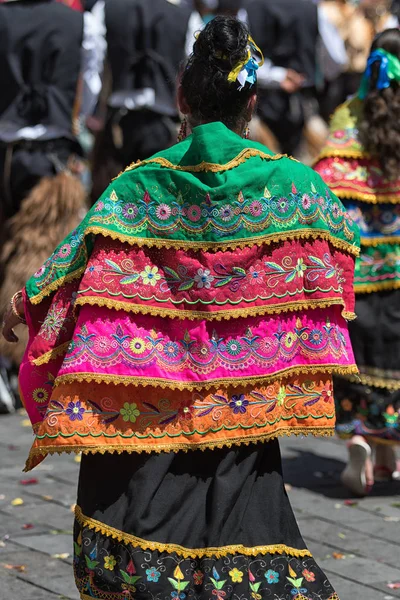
point(380, 128)
point(205, 86)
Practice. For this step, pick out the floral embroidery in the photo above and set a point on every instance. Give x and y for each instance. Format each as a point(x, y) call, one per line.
point(236, 575)
point(308, 575)
point(150, 275)
point(110, 562)
point(272, 576)
point(153, 574)
point(130, 412)
point(203, 278)
point(239, 404)
point(75, 411)
point(198, 577)
point(256, 351)
point(40, 395)
point(54, 323)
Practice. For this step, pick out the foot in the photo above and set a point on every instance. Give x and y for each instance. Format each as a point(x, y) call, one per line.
point(358, 474)
point(386, 468)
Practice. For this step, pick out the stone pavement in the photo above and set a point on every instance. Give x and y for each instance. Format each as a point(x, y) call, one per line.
point(357, 545)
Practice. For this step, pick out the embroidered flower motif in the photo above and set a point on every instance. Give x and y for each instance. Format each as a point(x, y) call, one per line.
point(290, 339)
point(315, 337)
point(163, 212)
point(171, 349)
point(40, 272)
point(99, 206)
point(185, 410)
point(255, 275)
point(201, 350)
point(346, 405)
point(335, 210)
point(130, 412)
point(306, 201)
point(101, 344)
point(236, 575)
point(53, 323)
point(153, 574)
point(178, 595)
point(198, 577)
point(282, 205)
point(40, 395)
point(64, 251)
point(308, 575)
point(75, 411)
point(326, 393)
point(238, 404)
point(300, 268)
point(137, 345)
point(281, 395)
point(94, 269)
point(226, 213)
point(256, 208)
point(272, 576)
point(233, 347)
point(110, 562)
point(194, 213)
point(203, 278)
point(129, 211)
point(150, 275)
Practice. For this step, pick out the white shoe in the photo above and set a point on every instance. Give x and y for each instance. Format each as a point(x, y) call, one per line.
point(354, 476)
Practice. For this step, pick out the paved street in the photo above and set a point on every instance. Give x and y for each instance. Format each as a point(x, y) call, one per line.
point(357, 544)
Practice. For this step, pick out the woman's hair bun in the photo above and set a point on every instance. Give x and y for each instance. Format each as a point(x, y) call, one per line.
point(223, 42)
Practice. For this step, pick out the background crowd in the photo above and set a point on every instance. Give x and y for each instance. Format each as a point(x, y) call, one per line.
point(88, 87)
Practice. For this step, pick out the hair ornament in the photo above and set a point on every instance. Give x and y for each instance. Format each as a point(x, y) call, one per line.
point(245, 71)
point(389, 70)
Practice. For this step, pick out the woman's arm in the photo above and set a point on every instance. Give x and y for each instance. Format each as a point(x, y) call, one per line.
point(14, 316)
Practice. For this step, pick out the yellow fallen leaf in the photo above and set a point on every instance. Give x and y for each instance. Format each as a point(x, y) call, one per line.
point(19, 568)
point(25, 423)
point(78, 458)
point(338, 555)
point(17, 502)
point(61, 556)
point(48, 498)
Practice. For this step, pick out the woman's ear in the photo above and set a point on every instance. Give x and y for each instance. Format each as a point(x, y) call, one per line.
point(251, 107)
point(182, 104)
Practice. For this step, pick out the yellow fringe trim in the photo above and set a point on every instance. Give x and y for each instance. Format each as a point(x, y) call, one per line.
point(318, 234)
point(216, 315)
point(50, 355)
point(369, 288)
point(392, 385)
point(365, 197)
point(381, 240)
point(206, 384)
point(206, 166)
point(342, 153)
point(128, 538)
point(137, 448)
point(54, 285)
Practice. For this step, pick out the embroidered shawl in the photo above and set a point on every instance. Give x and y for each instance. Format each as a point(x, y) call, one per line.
point(372, 200)
point(202, 302)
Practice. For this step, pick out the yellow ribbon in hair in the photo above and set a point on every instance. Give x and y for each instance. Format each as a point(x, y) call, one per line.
point(233, 75)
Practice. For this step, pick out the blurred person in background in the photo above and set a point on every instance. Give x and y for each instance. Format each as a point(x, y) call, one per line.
point(145, 46)
point(296, 39)
point(358, 23)
point(43, 64)
point(361, 164)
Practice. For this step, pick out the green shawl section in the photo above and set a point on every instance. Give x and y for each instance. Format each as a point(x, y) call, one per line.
point(212, 191)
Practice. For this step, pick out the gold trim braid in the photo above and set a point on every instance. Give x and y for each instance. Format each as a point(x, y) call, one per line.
point(244, 155)
point(218, 552)
point(139, 448)
point(206, 384)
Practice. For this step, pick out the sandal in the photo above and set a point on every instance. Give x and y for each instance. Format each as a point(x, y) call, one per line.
point(354, 477)
point(386, 468)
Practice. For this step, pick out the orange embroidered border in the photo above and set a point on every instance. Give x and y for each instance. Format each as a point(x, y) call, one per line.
point(42, 451)
point(218, 552)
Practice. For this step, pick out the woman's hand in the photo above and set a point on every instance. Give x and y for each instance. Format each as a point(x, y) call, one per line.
point(11, 319)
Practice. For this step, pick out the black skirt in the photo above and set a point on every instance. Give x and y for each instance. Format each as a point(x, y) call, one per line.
point(206, 524)
point(369, 405)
